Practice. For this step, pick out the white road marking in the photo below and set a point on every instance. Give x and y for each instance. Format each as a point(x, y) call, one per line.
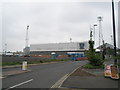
point(60, 81)
point(74, 70)
point(19, 84)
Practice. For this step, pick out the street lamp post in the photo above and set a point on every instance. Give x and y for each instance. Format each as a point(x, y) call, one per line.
point(114, 35)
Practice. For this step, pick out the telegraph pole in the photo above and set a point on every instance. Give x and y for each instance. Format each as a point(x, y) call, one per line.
point(114, 35)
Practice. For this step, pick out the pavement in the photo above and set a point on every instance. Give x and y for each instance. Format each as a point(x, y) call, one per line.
point(90, 79)
point(97, 80)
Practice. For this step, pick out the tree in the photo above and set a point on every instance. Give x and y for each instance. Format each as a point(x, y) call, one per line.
point(94, 59)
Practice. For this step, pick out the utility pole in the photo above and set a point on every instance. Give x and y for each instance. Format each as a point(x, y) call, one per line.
point(114, 34)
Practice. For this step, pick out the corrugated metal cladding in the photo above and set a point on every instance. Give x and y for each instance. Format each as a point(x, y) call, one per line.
point(72, 46)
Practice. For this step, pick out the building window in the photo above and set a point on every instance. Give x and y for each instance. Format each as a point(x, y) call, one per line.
point(81, 45)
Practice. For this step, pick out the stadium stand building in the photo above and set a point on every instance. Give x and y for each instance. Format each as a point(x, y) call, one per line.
point(58, 48)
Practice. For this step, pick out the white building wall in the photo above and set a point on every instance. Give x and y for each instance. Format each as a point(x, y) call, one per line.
point(58, 46)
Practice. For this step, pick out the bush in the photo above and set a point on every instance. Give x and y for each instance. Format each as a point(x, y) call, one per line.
point(41, 61)
point(94, 59)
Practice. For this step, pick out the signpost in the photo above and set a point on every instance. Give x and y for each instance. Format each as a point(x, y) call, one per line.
point(114, 72)
point(111, 71)
point(107, 71)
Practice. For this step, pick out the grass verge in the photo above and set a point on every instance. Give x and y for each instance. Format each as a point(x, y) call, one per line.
point(0, 63)
point(30, 62)
point(89, 66)
point(11, 63)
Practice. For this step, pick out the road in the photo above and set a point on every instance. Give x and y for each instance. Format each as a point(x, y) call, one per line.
point(41, 76)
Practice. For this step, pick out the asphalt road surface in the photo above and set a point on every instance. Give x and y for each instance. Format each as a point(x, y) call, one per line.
point(41, 76)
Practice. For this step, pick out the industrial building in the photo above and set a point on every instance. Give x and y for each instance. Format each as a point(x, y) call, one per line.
point(58, 48)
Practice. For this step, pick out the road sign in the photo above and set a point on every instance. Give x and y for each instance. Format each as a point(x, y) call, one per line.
point(107, 71)
point(114, 72)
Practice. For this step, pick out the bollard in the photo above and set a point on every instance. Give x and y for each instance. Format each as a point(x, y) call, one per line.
point(24, 65)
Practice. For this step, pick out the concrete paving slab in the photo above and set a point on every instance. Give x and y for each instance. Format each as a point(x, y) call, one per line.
point(96, 72)
point(89, 82)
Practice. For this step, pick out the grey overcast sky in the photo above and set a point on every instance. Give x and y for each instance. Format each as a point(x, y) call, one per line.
point(53, 22)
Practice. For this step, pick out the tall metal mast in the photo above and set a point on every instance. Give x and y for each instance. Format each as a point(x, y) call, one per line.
point(70, 39)
point(111, 40)
point(100, 29)
point(94, 32)
point(5, 48)
point(26, 40)
point(91, 35)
